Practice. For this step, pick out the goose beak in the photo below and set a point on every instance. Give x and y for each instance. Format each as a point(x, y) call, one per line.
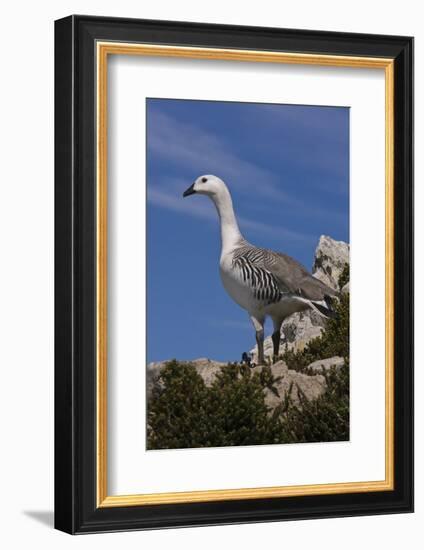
point(189, 191)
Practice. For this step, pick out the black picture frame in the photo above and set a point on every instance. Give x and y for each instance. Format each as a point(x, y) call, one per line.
point(76, 510)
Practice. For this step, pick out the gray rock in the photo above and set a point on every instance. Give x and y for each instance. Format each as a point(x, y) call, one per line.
point(152, 376)
point(312, 386)
point(292, 382)
point(326, 364)
point(330, 259)
point(205, 367)
point(346, 288)
point(300, 328)
point(296, 331)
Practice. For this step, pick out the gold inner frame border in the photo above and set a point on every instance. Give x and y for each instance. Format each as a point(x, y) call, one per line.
point(103, 50)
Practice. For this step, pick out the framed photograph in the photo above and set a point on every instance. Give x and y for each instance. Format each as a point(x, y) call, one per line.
point(234, 255)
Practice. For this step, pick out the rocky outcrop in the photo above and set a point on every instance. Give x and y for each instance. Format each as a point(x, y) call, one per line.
point(298, 329)
point(330, 259)
point(326, 364)
point(205, 367)
point(292, 383)
point(288, 382)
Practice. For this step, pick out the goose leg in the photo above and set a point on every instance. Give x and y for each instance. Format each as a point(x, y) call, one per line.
point(258, 323)
point(276, 337)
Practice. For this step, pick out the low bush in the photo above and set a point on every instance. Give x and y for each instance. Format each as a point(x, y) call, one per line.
point(184, 412)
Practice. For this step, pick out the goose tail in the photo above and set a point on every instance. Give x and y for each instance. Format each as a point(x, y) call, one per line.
point(325, 307)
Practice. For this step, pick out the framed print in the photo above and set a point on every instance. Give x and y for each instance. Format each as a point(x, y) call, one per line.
point(233, 272)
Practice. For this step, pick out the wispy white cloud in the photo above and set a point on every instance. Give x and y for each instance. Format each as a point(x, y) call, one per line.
point(229, 323)
point(273, 231)
point(196, 209)
point(194, 150)
point(200, 152)
point(203, 209)
point(326, 137)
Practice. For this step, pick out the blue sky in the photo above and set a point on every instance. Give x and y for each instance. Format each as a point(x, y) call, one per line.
point(287, 168)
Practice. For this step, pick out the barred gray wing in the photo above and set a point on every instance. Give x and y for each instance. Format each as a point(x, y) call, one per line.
point(291, 274)
point(284, 272)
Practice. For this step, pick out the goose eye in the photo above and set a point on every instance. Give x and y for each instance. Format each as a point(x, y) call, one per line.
point(204, 180)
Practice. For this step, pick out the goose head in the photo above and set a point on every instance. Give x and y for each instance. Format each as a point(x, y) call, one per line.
point(206, 185)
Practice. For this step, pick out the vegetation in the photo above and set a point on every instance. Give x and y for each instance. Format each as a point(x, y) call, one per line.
point(325, 418)
point(232, 411)
point(344, 276)
point(183, 412)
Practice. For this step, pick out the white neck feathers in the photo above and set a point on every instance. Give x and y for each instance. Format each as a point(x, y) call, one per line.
point(230, 232)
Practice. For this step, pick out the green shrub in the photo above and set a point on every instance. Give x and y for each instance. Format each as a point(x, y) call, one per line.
point(184, 412)
point(344, 276)
point(323, 419)
point(176, 416)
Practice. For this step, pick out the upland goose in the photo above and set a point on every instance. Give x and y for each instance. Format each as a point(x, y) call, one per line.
point(263, 282)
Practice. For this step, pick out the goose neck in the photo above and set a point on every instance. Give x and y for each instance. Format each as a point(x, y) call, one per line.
point(230, 232)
